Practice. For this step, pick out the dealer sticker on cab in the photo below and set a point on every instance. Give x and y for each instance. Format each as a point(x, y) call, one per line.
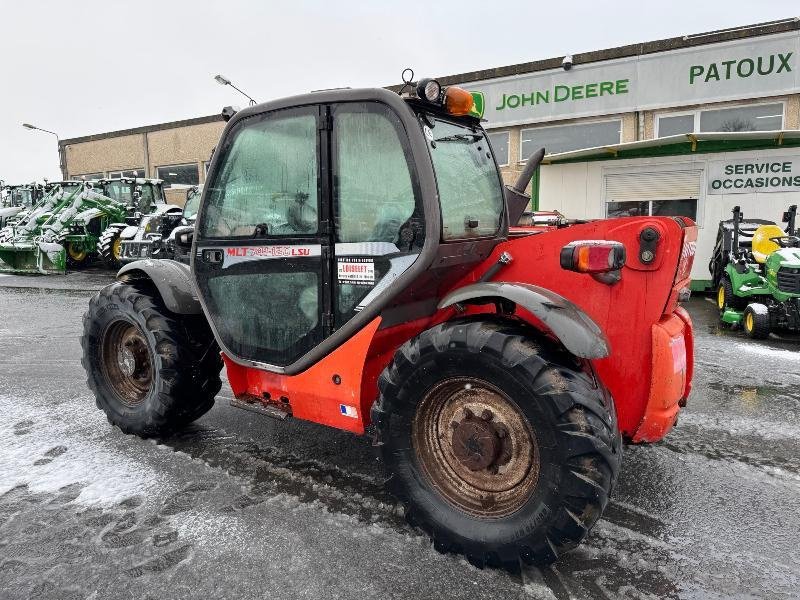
point(356, 271)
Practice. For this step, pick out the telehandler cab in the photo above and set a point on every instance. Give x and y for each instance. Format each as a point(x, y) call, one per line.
point(352, 265)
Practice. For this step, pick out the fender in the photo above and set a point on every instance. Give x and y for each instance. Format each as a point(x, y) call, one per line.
point(172, 279)
point(574, 328)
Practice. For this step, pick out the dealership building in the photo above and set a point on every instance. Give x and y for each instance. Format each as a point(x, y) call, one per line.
point(691, 125)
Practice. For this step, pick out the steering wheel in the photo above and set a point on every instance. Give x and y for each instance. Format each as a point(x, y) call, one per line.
point(786, 241)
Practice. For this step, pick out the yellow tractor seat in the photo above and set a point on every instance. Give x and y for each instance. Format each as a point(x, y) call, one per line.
point(762, 245)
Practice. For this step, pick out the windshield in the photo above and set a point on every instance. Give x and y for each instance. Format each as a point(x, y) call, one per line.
point(470, 190)
point(21, 197)
point(118, 190)
point(192, 204)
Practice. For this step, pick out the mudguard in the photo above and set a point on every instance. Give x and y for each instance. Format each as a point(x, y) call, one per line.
point(172, 279)
point(574, 328)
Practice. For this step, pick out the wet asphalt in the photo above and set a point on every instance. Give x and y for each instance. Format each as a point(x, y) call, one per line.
point(241, 506)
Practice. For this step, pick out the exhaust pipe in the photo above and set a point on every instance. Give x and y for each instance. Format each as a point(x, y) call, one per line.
point(516, 198)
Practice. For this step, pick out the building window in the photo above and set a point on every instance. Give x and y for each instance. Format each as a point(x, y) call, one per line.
point(563, 138)
point(128, 173)
point(752, 117)
point(499, 142)
point(88, 176)
point(675, 125)
point(179, 175)
point(684, 207)
point(658, 193)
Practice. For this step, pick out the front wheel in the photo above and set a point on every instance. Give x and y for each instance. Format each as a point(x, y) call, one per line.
point(501, 447)
point(151, 371)
point(109, 247)
point(756, 321)
point(77, 255)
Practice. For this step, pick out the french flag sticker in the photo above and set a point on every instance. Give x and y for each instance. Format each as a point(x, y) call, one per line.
point(348, 411)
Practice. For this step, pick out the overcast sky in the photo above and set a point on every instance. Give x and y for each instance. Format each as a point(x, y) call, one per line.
point(91, 66)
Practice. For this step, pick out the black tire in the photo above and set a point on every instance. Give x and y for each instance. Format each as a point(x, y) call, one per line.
point(183, 368)
point(76, 257)
point(729, 299)
point(755, 321)
point(570, 414)
point(106, 247)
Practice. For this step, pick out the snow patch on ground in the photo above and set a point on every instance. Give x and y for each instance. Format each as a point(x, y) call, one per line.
point(735, 425)
point(49, 450)
point(761, 350)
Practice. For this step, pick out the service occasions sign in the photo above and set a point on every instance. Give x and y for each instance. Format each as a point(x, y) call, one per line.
point(750, 68)
point(745, 176)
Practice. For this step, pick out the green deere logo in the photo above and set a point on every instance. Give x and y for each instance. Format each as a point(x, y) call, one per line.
point(477, 107)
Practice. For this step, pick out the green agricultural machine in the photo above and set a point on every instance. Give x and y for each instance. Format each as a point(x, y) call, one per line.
point(145, 198)
point(758, 279)
point(155, 237)
point(15, 199)
point(59, 231)
point(76, 222)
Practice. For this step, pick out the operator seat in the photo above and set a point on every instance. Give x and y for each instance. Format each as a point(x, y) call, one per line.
point(762, 246)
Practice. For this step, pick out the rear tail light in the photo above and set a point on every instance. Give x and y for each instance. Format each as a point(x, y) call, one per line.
point(686, 260)
point(593, 256)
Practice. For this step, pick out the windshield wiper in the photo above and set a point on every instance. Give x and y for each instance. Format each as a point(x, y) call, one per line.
point(461, 137)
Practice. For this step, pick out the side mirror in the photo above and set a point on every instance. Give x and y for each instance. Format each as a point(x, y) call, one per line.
point(184, 239)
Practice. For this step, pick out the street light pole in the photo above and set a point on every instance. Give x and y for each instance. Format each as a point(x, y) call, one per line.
point(58, 145)
point(222, 80)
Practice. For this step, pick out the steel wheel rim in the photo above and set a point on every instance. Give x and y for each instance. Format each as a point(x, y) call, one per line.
point(76, 253)
point(126, 362)
point(748, 321)
point(116, 247)
point(489, 468)
point(721, 297)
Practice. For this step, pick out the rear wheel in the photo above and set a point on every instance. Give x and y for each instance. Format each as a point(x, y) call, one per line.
point(501, 448)
point(109, 247)
point(726, 298)
point(151, 371)
point(755, 321)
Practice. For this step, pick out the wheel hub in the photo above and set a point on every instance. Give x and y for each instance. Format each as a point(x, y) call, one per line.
point(476, 447)
point(127, 363)
point(479, 443)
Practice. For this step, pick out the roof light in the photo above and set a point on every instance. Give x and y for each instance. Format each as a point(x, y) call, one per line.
point(593, 256)
point(430, 90)
point(458, 101)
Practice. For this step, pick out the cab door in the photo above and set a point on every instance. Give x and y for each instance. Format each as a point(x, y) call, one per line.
point(262, 256)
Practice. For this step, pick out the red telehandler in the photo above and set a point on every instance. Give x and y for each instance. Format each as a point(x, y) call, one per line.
point(352, 265)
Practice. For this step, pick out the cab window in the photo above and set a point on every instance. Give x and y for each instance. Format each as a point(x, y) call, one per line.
point(267, 185)
point(470, 191)
point(373, 192)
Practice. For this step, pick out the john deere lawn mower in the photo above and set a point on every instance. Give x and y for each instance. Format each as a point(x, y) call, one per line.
point(758, 286)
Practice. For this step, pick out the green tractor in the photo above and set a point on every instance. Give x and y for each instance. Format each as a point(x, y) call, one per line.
point(758, 284)
point(76, 222)
point(143, 197)
point(14, 199)
point(60, 231)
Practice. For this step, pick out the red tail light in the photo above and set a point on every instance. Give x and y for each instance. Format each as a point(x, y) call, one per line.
point(686, 260)
point(593, 256)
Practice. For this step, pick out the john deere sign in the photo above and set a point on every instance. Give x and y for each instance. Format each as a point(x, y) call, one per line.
point(775, 174)
point(751, 68)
